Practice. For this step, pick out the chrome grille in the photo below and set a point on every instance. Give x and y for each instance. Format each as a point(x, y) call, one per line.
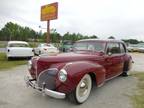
point(47, 77)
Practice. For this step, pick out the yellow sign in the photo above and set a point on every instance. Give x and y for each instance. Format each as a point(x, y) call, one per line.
point(49, 12)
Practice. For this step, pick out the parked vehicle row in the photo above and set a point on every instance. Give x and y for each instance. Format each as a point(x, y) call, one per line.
point(22, 49)
point(18, 49)
point(136, 48)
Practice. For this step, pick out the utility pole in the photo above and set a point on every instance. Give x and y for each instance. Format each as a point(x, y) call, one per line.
point(48, 32)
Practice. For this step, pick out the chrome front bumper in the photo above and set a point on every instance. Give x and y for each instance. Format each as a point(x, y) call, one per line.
point(43, 90)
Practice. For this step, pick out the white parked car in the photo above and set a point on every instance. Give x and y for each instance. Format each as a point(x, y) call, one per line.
point(133, 48)
point(141, 48)
point(18, 49)
point(44, 48)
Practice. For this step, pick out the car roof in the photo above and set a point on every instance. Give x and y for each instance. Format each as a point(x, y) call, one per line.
point(22, 42)
point(101, 40)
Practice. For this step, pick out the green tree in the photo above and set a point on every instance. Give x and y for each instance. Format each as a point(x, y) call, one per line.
point(13, 31)
point(111, 37)
point(94, 37)
point(131, 41)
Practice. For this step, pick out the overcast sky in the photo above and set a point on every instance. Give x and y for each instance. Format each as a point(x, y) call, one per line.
point(122, 19)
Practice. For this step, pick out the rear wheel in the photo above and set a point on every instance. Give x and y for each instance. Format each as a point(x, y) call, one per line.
point(125, 69)
point(125, 74)
point(82, 91)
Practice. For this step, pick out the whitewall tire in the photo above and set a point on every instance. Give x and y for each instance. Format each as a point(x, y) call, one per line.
point(83, 89)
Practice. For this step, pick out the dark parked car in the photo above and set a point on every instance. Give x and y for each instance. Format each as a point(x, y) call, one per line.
point(72, 75)
point(66, 46)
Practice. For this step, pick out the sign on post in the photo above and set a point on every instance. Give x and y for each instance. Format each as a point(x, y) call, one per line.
point(49, 12)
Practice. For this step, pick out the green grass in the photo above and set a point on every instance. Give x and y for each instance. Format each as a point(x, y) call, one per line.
point(3, 44)
point(138, 98)
point(33, 44)
point(5, 64)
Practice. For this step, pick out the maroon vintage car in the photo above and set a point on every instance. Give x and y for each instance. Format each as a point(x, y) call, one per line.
point(73, 74)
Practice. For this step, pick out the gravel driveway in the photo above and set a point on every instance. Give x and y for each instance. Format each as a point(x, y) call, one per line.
point(138, 59)
point(14, 94)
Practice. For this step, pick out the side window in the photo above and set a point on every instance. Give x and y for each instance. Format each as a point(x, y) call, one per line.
point(113, 48)
point(122, 48)
point(91, 47)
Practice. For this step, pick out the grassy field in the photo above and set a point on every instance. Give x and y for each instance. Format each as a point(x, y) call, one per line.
point(4, 64)
point(138, 98)
point(3, 44)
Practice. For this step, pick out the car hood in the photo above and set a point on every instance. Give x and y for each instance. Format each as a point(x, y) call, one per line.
point(44, 62)
point(59, 60)
point(68, 57)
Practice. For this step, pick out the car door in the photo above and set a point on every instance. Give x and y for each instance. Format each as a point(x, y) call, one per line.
point(113, 60)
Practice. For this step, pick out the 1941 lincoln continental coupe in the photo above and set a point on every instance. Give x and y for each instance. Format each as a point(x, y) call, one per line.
point(91, 63)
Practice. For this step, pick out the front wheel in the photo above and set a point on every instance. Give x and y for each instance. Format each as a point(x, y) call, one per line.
point(82, 91)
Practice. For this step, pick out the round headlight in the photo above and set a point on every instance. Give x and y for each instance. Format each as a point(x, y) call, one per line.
point(29, 64)
point(62, 75)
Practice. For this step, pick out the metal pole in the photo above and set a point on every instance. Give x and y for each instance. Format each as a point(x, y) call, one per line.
point(48, 32)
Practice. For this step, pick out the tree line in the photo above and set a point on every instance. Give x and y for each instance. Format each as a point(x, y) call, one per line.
point(12, 31)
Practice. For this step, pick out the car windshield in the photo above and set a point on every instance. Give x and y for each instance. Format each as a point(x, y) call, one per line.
point(67, 43)
point(89, 46)
point(18, 45)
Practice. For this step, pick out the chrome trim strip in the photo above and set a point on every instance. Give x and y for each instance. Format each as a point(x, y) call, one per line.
point(113, 77)
point(54, 94)
point(109, 79)
point(37, 58)
point(101, 84)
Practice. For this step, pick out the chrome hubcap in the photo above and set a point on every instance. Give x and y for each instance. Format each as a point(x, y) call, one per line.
point(83, 89)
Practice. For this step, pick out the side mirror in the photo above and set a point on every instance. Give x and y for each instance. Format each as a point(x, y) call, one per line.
point(102, 53)
point(109, 53)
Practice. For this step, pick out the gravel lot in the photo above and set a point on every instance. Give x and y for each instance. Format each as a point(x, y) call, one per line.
point(114, 93)
point(138, 59)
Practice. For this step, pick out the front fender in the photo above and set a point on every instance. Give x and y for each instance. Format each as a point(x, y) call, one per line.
point(76, 70)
